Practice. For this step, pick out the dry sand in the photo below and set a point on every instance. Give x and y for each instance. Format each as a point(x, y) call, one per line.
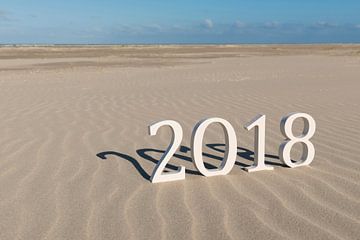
point(75, 155)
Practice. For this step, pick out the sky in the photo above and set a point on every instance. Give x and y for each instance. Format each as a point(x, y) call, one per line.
point(178, 21)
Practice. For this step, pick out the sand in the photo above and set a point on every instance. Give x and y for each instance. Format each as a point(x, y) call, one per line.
point(75, 154)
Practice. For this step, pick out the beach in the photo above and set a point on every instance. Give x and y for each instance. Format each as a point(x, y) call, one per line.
point(76, 156)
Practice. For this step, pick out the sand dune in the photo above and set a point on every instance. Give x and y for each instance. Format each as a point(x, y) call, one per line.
point(75, 155)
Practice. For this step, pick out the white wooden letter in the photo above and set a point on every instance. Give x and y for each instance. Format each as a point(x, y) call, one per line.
point(177, 134)
point(285, 148)
point(197, 142)
point(259, 147)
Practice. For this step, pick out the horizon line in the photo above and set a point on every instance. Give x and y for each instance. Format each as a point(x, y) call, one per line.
point(174, 44)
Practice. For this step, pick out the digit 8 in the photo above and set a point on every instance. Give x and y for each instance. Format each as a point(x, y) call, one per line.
point(308, 132)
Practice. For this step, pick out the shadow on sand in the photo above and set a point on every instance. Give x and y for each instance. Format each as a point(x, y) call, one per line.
point(145, 153)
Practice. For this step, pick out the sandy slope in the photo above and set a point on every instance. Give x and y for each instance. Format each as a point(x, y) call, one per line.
point(75, 156)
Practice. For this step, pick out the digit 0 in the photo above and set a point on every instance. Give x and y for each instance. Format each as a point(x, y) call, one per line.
point(197, 142)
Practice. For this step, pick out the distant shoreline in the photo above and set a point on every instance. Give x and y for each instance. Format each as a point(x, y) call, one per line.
point(178, 44)
point(154, 53)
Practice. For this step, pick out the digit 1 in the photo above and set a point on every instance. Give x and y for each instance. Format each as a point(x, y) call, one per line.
point(259, 146)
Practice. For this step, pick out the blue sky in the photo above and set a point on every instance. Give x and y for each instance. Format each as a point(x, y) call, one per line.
point(175, 21)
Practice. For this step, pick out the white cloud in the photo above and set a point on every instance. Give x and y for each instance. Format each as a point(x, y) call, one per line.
point(208, 23)
point(4, 15)
point(272, 24)
point(139, 29)
point(239, 24)
point(324, 24)
point(155, 27)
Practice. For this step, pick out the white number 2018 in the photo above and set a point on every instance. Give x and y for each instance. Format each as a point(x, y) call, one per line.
point(231, 146)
